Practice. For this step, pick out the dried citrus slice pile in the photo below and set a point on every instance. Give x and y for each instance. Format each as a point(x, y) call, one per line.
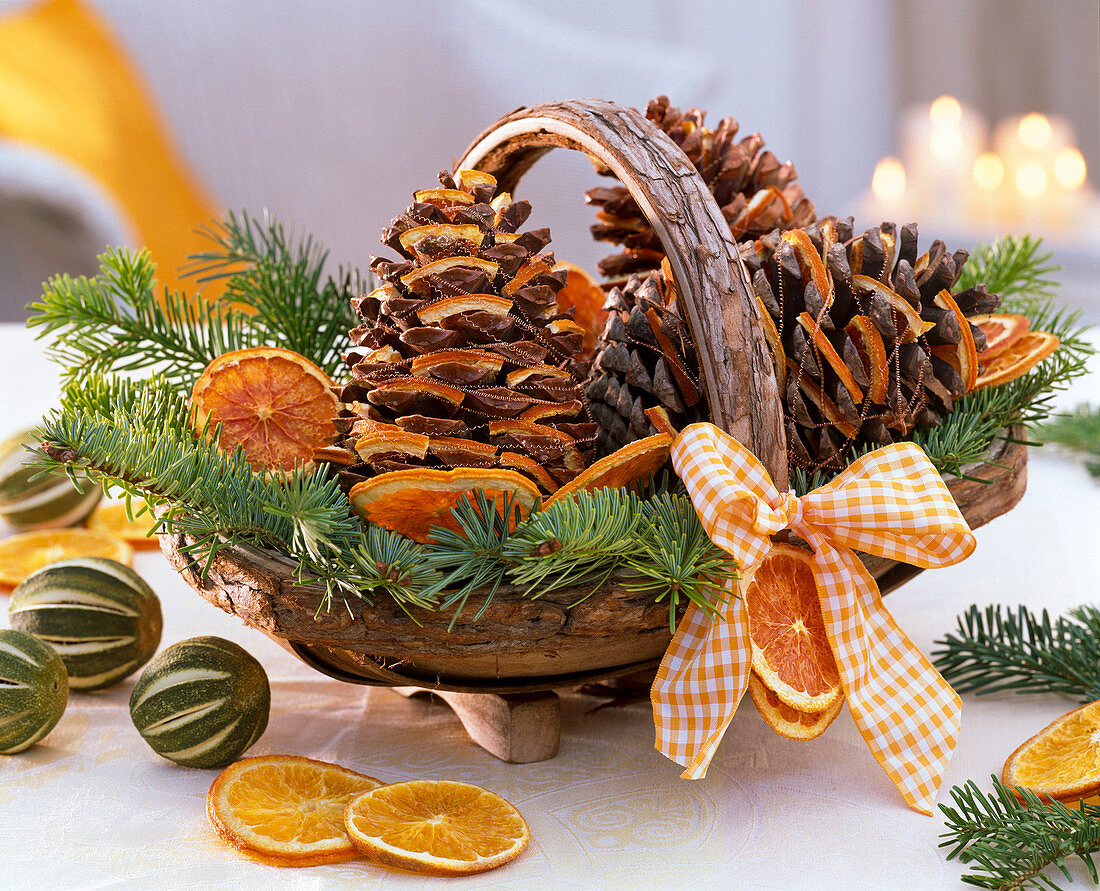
point(276, 405)
point(582, 292)
point(1062, 761)
point(788, 722)
point(22, 554)
point(1027, 352)
point(413, 501)
point(790, 650)
point(1001, 330)
point(633, 463)
point(286, 810)
point(111, 519)
point(436, 827)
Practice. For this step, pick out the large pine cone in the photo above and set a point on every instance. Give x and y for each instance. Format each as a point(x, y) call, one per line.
point(464, 358)
point(755, 192)
point(866, 338)
point(645, 360)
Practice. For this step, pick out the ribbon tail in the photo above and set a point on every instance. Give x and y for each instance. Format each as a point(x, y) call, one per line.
point(702, 678)
point(908, 714)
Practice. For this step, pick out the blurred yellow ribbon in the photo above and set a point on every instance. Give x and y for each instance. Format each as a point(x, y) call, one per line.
point(891, 503)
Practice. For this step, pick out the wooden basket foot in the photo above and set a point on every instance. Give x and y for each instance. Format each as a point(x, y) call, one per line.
point(519, 728)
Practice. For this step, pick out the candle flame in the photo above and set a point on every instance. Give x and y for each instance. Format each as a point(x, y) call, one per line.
point(888, 182)
point(945, 111)
point(1034, 130)
point(1031, 180)
point(1070, 169)
point(989, 171)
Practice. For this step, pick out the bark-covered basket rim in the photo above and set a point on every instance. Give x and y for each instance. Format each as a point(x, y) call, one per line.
point(524, 644)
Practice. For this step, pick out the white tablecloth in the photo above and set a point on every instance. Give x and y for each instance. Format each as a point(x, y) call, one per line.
point(93, 807)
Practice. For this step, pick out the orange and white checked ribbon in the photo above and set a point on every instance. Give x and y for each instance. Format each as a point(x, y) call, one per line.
point(891, 503)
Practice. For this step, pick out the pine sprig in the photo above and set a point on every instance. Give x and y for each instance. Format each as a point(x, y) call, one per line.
point(1009, 843)
point(576, 538)
point(281, 277)
point(1014, 268)
point(119, 322)
point(997, 649)
point(675, 558)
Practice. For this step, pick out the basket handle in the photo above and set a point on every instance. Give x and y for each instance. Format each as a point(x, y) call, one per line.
point(714, 288)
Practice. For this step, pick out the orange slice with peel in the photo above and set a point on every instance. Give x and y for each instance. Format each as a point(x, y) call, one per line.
point(1061, 761)
point(825, 405)
point(487, 362)
point(635, 462)
point(372, 445)
point(910, 324)
point(810, 263)
point(826, 348)
point(286, 810)
point(467, 179)
point(529, 467)
point(412, 502)
point(962, 356)
point(1017, 360)
point(467, 233)
point(442, 197)
point(583, 293)
point(658, 417)
point(774, 342)
point(1002, 330)
point(872, 352)
point(111, 519)
point(790, 723)
point(436, 827)
point(790, 649)
point(416, 281)
point(531, 268)
point(28, 552)
point(436, 312)
point(273, 403)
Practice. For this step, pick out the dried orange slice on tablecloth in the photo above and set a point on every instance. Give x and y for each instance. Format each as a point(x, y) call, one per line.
point(436, 827)
point(278, 406)
point(1001, 330)
point(583, 292)
point(790, 649)
point(111, 519)
point(413, 501)
point(286, 810)
point(788, 722)
point(634, 462)
point(22, 554)
point(1062, 761)
point(1018, 360)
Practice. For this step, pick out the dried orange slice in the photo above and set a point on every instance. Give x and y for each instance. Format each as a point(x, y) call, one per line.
point(1001, 330)
point(416, 281)
point(962, 356)
point(1061, 761)
point(286, 810)
point(111, 519)
point(790, 723)
point(634, 462)
point(436, 312)
point(819, 398)
point(826, 348)
point(469, 233)
point(27, 552)
point(436, 827)
point(910, 324)
point(810, 264)
point(775, 344)
point(1017, 360)
point(582, 292)
point(442, 197)
point(412, 501)
point(531, 268)
point(872, 353)
point(658, 417)
point(372, 445)
point(790, 649)
point(276, 405)
point(529, 467)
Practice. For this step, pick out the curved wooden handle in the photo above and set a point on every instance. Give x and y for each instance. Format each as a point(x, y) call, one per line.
point(714, 288)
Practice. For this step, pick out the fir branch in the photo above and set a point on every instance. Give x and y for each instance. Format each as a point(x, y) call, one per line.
point(116, 321)
point(1014, 268)
point(998, 649)
point(676, 559)
point(473, 558)
point(1010, 841)
point(1078, 431)
point(584, 537)
point(281, 277)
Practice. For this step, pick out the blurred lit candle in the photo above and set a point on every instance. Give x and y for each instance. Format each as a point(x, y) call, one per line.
point(1045, 173)
point(941, 142)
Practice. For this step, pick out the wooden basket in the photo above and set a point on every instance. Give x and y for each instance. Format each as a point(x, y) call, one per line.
point(521, 644)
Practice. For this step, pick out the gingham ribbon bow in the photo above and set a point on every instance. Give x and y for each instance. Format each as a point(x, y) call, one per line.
point(892, 503)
